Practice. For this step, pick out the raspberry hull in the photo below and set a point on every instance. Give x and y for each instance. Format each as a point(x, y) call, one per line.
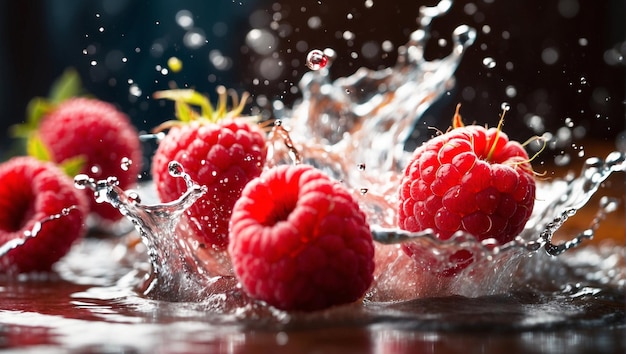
point(471, 179)
point(300, 242)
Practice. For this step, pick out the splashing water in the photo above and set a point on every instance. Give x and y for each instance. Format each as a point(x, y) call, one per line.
point(355, 129)
point(173, 264)
point(34, 231)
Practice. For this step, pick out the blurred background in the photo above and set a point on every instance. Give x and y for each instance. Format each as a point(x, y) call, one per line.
point(558, 63)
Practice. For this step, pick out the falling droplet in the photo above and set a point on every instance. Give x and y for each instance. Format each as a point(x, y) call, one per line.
point(316, 59)
point(489, 62)
point(126, 163)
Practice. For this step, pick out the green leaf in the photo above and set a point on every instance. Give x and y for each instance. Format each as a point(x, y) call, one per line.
point(184, 112)
point(73, 165)
point(36, 148)
point(188, 96)
point(68, 85)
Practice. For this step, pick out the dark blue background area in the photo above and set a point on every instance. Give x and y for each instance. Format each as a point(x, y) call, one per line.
point(40, 39)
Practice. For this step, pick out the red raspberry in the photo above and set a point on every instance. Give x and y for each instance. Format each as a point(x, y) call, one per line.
point(472, 179)
point(99, 133)
point(223, 156)
point(299, 241)
point(30, 192)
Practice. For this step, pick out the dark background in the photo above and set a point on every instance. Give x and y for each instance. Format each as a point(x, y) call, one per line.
point(564, 58)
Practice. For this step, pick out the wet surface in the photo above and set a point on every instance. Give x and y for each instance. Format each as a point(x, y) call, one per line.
point(92, 312)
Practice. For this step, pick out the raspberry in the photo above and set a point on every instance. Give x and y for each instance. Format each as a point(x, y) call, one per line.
point(223, 156)
point(30, 192)
point(299, 241)
point(99, 133)
point(472, 179)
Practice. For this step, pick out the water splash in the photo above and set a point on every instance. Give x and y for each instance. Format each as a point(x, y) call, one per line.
point(176, 274)
point(355, 129)
point(367, 117)
point(34, 231)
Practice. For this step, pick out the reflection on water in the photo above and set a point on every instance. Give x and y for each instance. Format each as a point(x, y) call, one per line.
point(88, 313)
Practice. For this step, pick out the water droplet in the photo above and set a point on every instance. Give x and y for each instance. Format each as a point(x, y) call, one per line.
point(505, 106)
point(175, 169)
point(464, 36)
point(126, 163)
point(134, 197)
point(510, 91)
point(316, 59)
point(361, 167)
point(134, 90)
point(489, 62)
point(569, 122)
point(363, 191)
point(81, 181)
point(369, 3)
point(314, 22)
point(609, 204)
point(550, 56)
point(562, 160)
point(184, 18)
point(194, 38)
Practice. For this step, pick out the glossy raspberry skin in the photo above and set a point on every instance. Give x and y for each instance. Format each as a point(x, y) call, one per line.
point(103, 135)
point(300, 242)
point(222, 156)
point(30, 192)
point(461, 181)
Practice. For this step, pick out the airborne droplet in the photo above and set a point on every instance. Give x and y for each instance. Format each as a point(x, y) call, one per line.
point(175, 169)
point(316, 59)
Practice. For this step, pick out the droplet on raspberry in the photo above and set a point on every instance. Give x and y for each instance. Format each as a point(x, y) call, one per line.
point(316, 59)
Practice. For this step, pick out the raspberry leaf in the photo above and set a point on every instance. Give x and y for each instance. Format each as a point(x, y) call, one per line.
point(184, 113)
point(189, 97)
point(74, 165)
point(37, 149)
point(185, 98)
point(68, 85)
point(36, 109)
